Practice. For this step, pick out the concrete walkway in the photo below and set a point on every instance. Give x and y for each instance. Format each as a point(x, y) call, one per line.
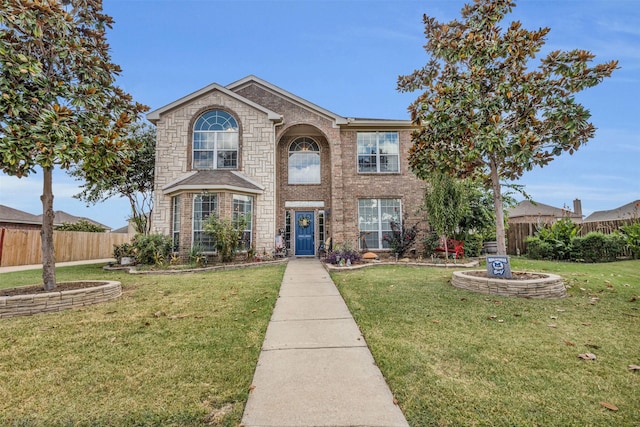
point(58, 264)
point(315, 368)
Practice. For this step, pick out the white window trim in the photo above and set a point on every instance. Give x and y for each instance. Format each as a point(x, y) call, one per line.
point(380, 246)
point(377, 171)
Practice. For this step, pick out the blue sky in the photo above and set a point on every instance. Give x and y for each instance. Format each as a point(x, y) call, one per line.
point(345, 56)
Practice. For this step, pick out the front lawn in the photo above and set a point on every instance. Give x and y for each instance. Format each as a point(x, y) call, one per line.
point(176, 350)
point(456, 358)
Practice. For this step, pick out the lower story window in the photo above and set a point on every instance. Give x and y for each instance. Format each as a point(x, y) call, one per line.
point(374, 221)
point(243, 209)
point(175, 223)
point(203, 206)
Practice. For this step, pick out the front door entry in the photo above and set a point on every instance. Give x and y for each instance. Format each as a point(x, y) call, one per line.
point(304, 234)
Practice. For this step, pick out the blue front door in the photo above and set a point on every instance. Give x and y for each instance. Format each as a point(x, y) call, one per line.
point(304, 234)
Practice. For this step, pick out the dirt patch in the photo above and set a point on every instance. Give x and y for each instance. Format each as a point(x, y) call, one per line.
point(515, 275)
point(39, 289)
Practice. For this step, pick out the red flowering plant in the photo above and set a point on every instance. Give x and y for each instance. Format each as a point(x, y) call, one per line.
point(401, 238)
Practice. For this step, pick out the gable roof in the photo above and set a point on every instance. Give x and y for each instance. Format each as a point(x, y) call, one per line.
point(529, 208)
point(629, 211)
point(17, 216)
point(154, 116)
point(213, 180)
point(303, 103)
point(295, 99)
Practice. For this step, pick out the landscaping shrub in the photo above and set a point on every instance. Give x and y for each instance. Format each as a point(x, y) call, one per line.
point(401, 238)
point(125, 249)
point(538, 248)
point(152, 249)
point(472, 244)
point(597, 247)
point(342, 253)
point(631, 234)
point(557, 237)
point(430, 243)
point(227, 235)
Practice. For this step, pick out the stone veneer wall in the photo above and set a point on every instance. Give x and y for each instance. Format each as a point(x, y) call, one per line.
point(257, 161)
point(27, 305)
point(550, 286)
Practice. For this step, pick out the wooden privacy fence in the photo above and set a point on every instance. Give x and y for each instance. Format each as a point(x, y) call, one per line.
point(23, 247)
point(518, 233)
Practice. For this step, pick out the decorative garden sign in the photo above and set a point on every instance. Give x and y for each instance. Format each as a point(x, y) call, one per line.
point(498, 266)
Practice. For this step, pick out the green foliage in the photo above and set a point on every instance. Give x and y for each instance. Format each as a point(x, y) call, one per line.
point(131, 178)
point(446, 203)
point(197, 256)
point(482, 114)
point(597, 247)
point(401, 237)
point(631, 235)
point(539, 249)
point(81, 225)
point(123, 250)
point(472, 244)
point(227, 235)
point(558, 237)
point(430, 242)
point(59, 104)
point(152, 249)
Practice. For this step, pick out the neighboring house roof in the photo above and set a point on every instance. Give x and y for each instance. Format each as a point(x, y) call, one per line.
point(16, 216)
point(124, 229)
point(62, 217)
point(154, 116)
point(629, 211)
point(213, 180)
point(529, 208)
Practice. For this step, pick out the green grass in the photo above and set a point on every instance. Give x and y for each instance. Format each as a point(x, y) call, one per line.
point(172, 351)
point(456, 358)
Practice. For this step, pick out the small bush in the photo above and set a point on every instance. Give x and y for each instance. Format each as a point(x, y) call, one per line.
point(401, 238)
point(472, 244)
point(227, 235)
point(430, 243)
point(152, 249)
point(539, 249)
point(631, 234)
point(597, 247)
point(123, 250)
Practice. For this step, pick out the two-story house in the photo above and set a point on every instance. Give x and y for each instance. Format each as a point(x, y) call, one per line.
point(289, 166)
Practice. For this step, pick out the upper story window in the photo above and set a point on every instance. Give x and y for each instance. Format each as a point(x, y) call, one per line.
point(378, 152)
point(215, 141)
point(304, 161)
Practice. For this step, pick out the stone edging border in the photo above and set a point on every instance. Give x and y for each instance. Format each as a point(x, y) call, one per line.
point(27, 305)
point(332, 267)
point(549, 286)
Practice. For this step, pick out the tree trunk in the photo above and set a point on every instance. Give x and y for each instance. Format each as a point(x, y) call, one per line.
point(498, 209)
point(46, 233)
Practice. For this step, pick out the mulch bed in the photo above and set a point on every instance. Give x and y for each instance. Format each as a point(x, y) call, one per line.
point(516, 275)
point(39, 289)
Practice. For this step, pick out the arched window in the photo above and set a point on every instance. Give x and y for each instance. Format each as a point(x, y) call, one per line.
point(304, 161)
point(215, 141)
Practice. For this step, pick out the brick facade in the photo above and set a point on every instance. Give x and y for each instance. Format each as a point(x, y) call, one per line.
point(269, 120)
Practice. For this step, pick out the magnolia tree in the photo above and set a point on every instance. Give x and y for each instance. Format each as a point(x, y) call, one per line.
point(131, 179)
point(488, 111)
point(59, 105)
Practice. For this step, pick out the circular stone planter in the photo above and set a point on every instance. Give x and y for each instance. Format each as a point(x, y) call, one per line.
point(30, 304)
point(525, 285)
